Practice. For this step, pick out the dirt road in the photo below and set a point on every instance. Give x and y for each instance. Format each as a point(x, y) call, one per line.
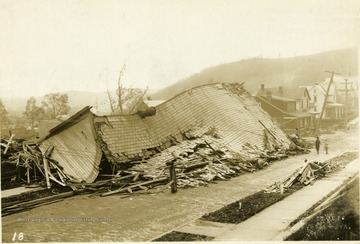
point(144, 217)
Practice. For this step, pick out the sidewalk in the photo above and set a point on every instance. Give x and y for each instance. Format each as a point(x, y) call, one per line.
point(18, 191)
point(270, 224)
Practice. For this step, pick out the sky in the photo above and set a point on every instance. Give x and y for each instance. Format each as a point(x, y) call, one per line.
point(59, 45)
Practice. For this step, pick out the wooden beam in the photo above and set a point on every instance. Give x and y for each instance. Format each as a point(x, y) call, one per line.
point(8, 144)
point(133, 186)
point(47, 170)
point(268, 130)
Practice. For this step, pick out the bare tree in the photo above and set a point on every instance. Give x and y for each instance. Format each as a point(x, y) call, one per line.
point(55, 105)
point(126, 98)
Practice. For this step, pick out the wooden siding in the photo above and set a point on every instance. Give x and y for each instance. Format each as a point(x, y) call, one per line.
point(235, 117)
point(76, 150)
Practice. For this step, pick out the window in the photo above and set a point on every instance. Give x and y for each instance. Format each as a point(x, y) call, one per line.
point(315, 99)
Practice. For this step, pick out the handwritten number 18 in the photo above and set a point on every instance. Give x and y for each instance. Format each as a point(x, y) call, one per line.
point(20, 237)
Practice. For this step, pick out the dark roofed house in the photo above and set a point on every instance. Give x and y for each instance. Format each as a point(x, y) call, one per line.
point(239, 121)
point(288, 107)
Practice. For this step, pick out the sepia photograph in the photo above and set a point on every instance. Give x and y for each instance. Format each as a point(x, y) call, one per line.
point(179, 120)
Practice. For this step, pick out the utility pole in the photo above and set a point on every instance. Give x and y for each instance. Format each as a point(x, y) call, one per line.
point(325, 100)
point(346, 102)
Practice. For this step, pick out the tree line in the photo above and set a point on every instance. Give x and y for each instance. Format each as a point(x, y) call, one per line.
point(125, 100)
point(53, 106)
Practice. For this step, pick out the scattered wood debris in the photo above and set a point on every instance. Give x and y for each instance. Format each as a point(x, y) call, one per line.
point(308, 173)
point(298, 144)
point(305, 175)
point(198, 161)
point(14, 208)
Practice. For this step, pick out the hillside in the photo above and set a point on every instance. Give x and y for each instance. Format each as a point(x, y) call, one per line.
point(294, 71)
point(302, 70)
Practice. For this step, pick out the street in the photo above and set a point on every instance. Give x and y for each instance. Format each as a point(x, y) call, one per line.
point(144, 217)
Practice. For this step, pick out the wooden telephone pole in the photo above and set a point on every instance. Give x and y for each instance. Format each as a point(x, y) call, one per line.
point(346, 101)
point(324, 104)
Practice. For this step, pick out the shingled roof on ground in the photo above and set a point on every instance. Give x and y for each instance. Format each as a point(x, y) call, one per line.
point(225, 112)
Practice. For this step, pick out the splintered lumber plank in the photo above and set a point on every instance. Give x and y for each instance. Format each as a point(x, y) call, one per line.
point(37, 163)
point(267, 141)
point(49, 151)
point(61, 177)
point(304, 173)
point(315, 166)
point(3, 144)
point(136, 176)
point(102, 182)
point(195, 166)
point(8, 144)
point(117, 175)
point(107, 175)
point(166, 186)
point(272, 187)
point(47, 170)
point(216, 153)
point(19, 209)
point(36, 202)
point(41, 200)
point(73, 188)
point(245, 168)
point(28, 175)
point(133, 186)
point(52, 177)
point(117, 178)
point(144, 188)
point(308, 181)
point(98, 183)
point(291, 179)
point(268, 130)
point(160, 173)
point(60, 173)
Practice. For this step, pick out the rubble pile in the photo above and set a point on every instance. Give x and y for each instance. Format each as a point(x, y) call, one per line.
point(198, 161)
point(303, 175)
point(17, 155)
point(308, 173)
point(29, 165)
point(204, 159)
point(298, 144)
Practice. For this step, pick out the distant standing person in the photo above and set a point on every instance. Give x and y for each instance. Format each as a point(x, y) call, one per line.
point(317, 145)
point(326, 147)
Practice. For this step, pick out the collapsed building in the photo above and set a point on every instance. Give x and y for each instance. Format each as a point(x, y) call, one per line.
point(219, 116)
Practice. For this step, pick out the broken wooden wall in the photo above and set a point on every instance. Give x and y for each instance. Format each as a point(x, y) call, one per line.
point(232, 112)
point(75, 147)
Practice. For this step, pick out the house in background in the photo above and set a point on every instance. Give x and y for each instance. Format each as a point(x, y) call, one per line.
point(347, 89)
point(333, 109)
point(288, 107)
point(342, 101)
